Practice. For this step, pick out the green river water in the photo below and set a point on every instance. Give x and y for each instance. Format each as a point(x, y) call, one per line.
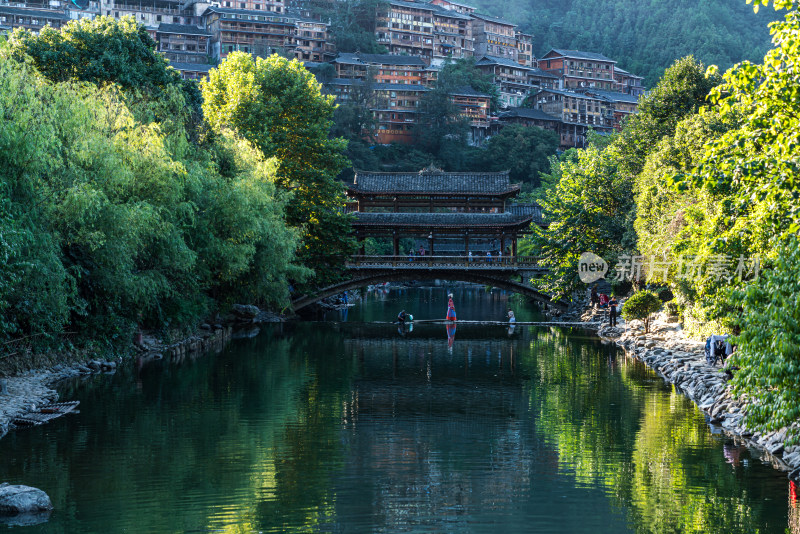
point(348, 425)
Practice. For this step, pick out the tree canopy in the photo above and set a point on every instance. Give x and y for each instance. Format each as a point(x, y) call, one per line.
point(277, 105)
point(101, 51)
point(108, 222)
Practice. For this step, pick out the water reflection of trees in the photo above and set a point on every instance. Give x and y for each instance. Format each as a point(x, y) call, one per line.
point(648, 446)
point(293, 432)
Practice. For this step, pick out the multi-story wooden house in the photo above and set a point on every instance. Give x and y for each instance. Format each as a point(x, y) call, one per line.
point(406, 28)
point(631, 83)
point(182, 43)
point(260, 33)
point(458, 7)
point(621, 105)
point(311, 40)
point(541, 79)
point(153, 13)
point(452, 31)
point(396, 112)
point(30, 19)
point(476, 107)
point(510, 77)
point(529, 117)
point(494, 37)
point(581, 69)
point(578, 112)
point(385, 68)
point(524, 49)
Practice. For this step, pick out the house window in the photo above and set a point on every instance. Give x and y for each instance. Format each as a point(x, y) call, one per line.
point(158, 18)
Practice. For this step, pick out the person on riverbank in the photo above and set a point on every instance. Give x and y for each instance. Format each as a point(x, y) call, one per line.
point(511, 318)
point(421, 250)
point(612, 311)
point(593, 296)
point(451, 308)
point(401, 317)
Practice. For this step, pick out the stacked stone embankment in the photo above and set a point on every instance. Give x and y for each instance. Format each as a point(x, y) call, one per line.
point(682, 362)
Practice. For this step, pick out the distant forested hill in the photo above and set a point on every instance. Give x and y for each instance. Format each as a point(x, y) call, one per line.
point(643, 36)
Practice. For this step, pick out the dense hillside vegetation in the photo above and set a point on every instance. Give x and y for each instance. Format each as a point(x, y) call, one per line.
point(644, 37)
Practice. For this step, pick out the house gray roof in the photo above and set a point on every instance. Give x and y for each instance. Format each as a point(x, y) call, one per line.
point(466, 90)
point(505, 62)
point(183, 29)
point(411, 5)
point(528, 113)
point(441, 220)
point(263, 16)
point(378, 59)
point(612, 96)
point(439, 10)
point(578, 54)
point(541, 73)
point(399, 87)
point(490, 18)
point(191, 67)
point(433, 181)
point(619, 70)
point(567, 93)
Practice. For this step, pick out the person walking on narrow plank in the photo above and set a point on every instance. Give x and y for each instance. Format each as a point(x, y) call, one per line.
point(451, 308)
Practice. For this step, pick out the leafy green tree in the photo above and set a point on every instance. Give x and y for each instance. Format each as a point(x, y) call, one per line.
point(461, 72)
point(277, 105)
point(588, 211)
point(641, 306)
point(767, 349)
point(108, 222)
point(593, 208)
point(101, 51)
point(522, 150)
point(681, 92)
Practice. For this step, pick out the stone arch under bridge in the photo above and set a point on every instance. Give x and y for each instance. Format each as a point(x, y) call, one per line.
point(372, 277)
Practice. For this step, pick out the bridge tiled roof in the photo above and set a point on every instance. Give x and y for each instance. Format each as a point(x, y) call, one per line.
point(442, 220)
point(433, 182)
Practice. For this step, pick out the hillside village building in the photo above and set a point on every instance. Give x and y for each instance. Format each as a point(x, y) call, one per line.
point(580, 89)
point(581, 69)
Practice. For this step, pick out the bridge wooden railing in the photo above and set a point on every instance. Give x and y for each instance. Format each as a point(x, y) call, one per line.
point(443, 262)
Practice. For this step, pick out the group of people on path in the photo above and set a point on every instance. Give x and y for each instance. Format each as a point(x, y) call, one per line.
point(604, 301)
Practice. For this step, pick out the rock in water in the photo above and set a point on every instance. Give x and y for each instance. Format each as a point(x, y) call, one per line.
point(16, 500)
point(3, 387)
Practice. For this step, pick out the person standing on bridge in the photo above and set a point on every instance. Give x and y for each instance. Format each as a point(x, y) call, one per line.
point(451, 308)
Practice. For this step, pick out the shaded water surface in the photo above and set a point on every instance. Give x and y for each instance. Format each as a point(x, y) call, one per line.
point(347, 426)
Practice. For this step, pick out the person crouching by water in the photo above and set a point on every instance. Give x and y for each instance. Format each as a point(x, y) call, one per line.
point(511, 318)
point(612, 311)
point(401, 317)
point(451, 308)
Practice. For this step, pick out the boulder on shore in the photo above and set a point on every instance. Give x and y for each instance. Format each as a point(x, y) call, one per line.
point(245, 311)
point(16, 499)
